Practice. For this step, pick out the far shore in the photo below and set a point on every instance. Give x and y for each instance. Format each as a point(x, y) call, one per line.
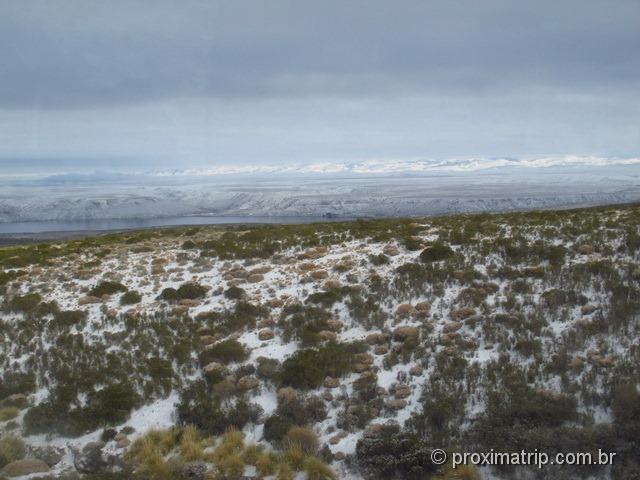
point(25, 238)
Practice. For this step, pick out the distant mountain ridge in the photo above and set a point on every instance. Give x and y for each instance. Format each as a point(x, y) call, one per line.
point(409, 166)
point(377, 191)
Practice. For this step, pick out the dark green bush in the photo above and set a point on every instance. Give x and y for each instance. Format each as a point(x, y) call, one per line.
point(533, 407)
point(200, 408)
point(626, 411)
point(412, 243)
point(328, 297)
point(304, 323)
point(267, 367)
point(108, 406)
point(108, 434)
point(235, 293)
point(16, 382)
point(107, 288)
point(276, 427)
point(191, 291)
point(295, 411)
point(308, 368)
point(528, 346)
point(556, 297)
point(244, 315)
point(380, 259)
point(436, 252)
point(159, 368)
point(130, 298)
point(47, 308)
point(521, 417)
point(393, 454)
point(112, 404)
point(69, 318)
point(26, 303)
point(186, 291)
point(169, 294)
point(226, 351)
point(189, 245)
point(442, 410)
point(6, 277)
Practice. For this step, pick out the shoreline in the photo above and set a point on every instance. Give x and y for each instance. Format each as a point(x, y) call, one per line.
point(26, 238)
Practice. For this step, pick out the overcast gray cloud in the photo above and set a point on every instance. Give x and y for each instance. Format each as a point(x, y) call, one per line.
point(220, 81)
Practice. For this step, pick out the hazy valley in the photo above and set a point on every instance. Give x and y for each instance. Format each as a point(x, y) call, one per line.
point(382, 189)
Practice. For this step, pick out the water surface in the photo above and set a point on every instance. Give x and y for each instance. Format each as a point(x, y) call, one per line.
point(97, 225)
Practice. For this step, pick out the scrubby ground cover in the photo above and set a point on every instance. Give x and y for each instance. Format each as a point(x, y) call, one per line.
point(339, 350)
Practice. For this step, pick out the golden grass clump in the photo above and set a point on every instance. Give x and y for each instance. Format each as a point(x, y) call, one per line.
point(252, 454)
point(148, 454)
point(228, 455)
point(8, 413)
point(304, 438)
point(295, 457)
point(191, 444)
point(316, 469)
point(11, 448)
point(285, 472)
point(232, 443)
point(267, 464)
point(150, 461)
point(231, 467)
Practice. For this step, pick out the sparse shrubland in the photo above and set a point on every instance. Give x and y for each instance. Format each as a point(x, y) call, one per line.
point(357, 346)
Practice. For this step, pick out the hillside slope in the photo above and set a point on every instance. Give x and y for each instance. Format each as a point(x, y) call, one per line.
point(343, 349)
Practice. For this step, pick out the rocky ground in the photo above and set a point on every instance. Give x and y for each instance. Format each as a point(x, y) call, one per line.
point(342, 350)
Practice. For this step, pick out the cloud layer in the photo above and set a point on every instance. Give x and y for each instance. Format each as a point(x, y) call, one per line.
point(209, 82)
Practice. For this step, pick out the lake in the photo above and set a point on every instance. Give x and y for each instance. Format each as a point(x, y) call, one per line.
point(132, 224)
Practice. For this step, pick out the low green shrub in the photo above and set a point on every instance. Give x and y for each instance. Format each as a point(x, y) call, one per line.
point(626, 411)
point(436, 252)
point(24, 303)
point(17, 382)
point(108, 406)
point(107, 288)
point(11, 448)
point(412, 243)
point(68, 318)
point(378, 260)
point(307, 368)
point(226, 351)
point(304, 323)
point(130, 298)
point(186, 291)
point(267, 367)
point(235, 293)
point(276, 427)
point(200, 408)
point(191, 291)
point(6, 277)
point(394, 454)
point(327, 298)
point(108, 434)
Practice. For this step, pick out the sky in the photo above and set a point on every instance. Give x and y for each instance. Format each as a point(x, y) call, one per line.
point(185, 83)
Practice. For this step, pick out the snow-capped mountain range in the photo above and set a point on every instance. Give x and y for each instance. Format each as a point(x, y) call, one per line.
point(365, 189)
point(389, 166)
